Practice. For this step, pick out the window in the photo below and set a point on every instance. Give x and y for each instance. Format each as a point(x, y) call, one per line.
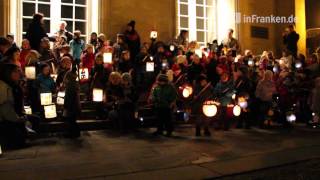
point(77, 13)
point(206, 19)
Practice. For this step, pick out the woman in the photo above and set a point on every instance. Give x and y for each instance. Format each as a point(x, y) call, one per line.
point(36, 31)
point(12, 126)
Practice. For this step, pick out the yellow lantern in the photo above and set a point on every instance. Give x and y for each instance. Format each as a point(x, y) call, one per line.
point(50, 111)
point(107, 58)
point(198, 52)
point(187, 91)
point(242, 102)
point(153, 34)
point(30, 72)
point(209, 108)
point(46, 98)
point(28, 110)
point(84, 74)
point(60, 97)
point(236, 110)
point(97, 95)
point(150, 66)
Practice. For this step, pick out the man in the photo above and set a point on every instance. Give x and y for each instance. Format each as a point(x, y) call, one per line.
point(63, 31)
point(4, 47)
point(231, 43)
point(290, 40)
point(10, 37)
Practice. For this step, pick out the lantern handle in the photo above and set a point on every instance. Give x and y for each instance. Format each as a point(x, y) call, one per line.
point(201, 92)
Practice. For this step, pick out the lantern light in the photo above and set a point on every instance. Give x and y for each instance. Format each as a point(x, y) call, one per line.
point(281, 61)
point(84, 74)
point(151, 58)
point(50, 111)
point(60, 97)
point(153, 34)
point(298, 65)
point(243, 102)
point(187, 91)
point(107, 58)
point(198, 52)
point(233, 96)
point(141, 119)
point(97, 95)
point(28, 110)
point(291, 117)
point(46, 98)
point(30, 72)
point(172, 48)
point(236, 110)
point(275, 69)
point(250, 62)
point(150, 66)
point(209, 108)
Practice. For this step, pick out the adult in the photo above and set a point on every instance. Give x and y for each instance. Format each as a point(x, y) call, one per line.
point(36, 31)
point(182, 39)
point(290, 40)
point(231, 43)
point(132, 38)
point(64, 32)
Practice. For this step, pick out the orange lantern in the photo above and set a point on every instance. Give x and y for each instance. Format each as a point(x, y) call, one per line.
point(97, 95)
point(209, 108)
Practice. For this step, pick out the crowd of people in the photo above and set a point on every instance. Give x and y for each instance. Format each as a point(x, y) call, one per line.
point(155, 70)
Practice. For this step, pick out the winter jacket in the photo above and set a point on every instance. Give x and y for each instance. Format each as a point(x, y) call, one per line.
point(265, 90)
point(45, 84)
point(162, 96)
point(77, 46)
point(224, 91)
point(88, 61)
point(7, 110)
point(34, 34)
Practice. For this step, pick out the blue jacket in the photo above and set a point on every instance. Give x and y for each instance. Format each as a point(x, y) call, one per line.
point(76, 49)
point(45, 84)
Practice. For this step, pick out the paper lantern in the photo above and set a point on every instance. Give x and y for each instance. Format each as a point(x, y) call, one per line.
point(97, 95)
point(54, 77)
point(60, 97)
point(209, 108)
point(172, 48)
point(250, 63)
point(275, 69)
point(291, 117)
point(46, 98)
point(233, 96)
point(153, 34)
point(30, 72)
point(198, 52)
point(50, 111)
point(242, 102)
point(236, 110)
point(28, 110)
point(150, 66)
point(187, 91)
point(298, 65)
point(83, 74)
point(107, 58)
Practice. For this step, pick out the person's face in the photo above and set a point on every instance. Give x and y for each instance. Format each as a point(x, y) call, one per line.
point(160, 49)
point(90, 50)
point(143, 50)
point(230, 34)
point(16, 56)
point(129, 28)
point(185, 35)
point(126, 56)
point(25, 45)
point(15, 75)
point(10, 39)
point(62, 26)
point(203, 83)
point(119, 40)
point(45, 45)
point(46, 71)
point(94, 36)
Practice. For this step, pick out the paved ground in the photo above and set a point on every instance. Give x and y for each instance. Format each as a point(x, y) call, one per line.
point(108, 155)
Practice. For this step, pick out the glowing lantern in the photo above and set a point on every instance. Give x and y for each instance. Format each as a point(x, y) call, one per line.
point(236, 110)
point(250, 63)
point(46, 98)
point(28, 110)
point(233, 96)
point(291, 117)
point(209, 108)
point(298, 65)
point(275, 69)
point(198, 52)
point(170, 75)
point(153, 34)
point(187, 91)
point(30, 72)
point(236, 60)
point(107, 58)
point(243, 102)
point(84, 74)
point(60, 97)
point(172, 48)
point(150, 66)
point(50, 111)
point(97, 95)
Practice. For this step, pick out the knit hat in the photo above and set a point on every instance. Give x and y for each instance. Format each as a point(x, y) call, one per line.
point(162, 78)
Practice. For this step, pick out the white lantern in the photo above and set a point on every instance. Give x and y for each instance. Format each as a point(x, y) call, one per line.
point(83, 74)
point(250, 62)
point(46, 98)
point(30, 72)
point(233, 96)
point(243, 102)
point(187, 91)
point(291, 117)
point(198, 52)
point(298, 65)
point(209, 108)
point(275, 69)
point(107, 58)
point(50, 111)
point(97, 95)
point(172, 48)
point(236, 110)
point(60, 97)
point(153, 34)
point(150, 66)
point(28, 110)
point(170, 75)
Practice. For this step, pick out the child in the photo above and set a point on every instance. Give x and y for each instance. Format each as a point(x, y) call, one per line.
point(44, 83)
point(65, 66)
point(163, 97)
point(125, 64)
point(25, 49)
point(99, 74)
point(87, 58)
point(45, 51)
point(77, 46)
point(71, 106)
point(119, 47)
